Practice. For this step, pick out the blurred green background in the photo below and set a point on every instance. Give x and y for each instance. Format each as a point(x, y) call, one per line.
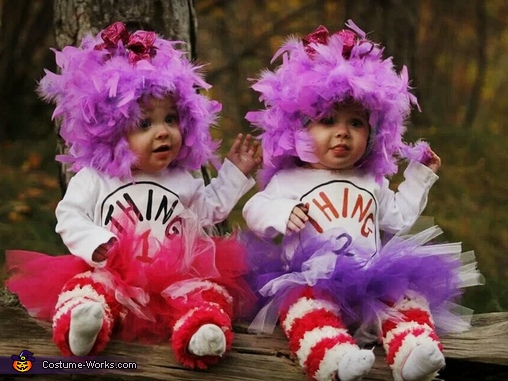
point(457, 55)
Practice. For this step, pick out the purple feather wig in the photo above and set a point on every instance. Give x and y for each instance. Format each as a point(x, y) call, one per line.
point(318, 72)
point(97, 94)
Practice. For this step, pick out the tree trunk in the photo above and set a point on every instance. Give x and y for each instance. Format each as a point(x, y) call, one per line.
point(481, 73)
point(393, 23)
point(25, 35)
point(73, 19)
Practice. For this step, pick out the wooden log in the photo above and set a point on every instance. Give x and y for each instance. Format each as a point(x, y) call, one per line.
point(253, 357)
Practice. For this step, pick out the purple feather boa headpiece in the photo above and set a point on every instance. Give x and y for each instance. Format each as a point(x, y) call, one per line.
point(318, 72)
point(97, 94)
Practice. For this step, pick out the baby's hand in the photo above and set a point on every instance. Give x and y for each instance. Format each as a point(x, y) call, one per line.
point(243, 154)
point(297, 219)
point(102, 252)
point(433, 162)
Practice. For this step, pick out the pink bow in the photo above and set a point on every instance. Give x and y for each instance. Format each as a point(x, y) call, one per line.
point(139, 44)
point(321, 36)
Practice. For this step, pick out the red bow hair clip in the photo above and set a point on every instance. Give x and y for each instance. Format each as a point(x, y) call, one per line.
point(139, 44)
point(321, 36)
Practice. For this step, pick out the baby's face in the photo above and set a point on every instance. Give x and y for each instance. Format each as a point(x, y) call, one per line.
point(157, 140)
point(340, 140)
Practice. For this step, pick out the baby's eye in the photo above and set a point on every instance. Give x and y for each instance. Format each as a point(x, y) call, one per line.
point(171, 119)
point(144, 124)
point(357, 122)
point(329, 120)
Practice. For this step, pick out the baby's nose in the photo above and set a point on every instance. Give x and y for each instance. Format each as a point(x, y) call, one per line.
point(161, 130)
point(341, 129)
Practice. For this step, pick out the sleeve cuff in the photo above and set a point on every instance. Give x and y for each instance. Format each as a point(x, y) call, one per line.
point(237, 177)
point(100, 239)
point(421, 173)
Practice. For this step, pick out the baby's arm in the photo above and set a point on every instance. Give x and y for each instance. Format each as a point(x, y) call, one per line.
point(433, 161)
point(297, 219)
point(214, 202)
point(75, 219)
point(101, 253)
point(243, 154)
point(271, 212)
point(399, 210)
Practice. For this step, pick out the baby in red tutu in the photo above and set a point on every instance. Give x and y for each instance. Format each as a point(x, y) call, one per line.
point(332, 127)
point(133, 216)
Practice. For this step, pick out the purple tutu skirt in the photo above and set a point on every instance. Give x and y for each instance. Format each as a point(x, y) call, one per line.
point(364, 289)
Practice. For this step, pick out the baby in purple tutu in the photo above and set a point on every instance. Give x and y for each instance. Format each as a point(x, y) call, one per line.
point(136, 124)
point(332, 128)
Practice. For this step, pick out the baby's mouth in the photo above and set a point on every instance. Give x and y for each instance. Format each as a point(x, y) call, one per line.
point(162, 148)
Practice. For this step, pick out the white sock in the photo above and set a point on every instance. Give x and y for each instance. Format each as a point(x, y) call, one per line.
point(208, 340)
point(423, 362)
point(355, 364)
point(86, 322)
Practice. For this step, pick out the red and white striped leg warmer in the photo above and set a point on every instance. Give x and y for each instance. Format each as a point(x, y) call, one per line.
point(403, 335)
point(81, 289)
point(316, 335)
point(206, 302)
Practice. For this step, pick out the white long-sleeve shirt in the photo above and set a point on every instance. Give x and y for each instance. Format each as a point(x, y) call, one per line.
point(96, 206)
point(339, 199)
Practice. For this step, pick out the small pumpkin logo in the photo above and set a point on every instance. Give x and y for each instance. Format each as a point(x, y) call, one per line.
point(23, 362)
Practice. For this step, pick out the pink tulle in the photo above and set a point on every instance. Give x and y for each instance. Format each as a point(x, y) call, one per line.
point(221, 260)
point(38, 280)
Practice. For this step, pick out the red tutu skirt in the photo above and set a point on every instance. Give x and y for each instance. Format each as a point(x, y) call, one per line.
point(150, 289)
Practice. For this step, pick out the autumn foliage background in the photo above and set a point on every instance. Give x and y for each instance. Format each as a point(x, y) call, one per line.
point(457, 53)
